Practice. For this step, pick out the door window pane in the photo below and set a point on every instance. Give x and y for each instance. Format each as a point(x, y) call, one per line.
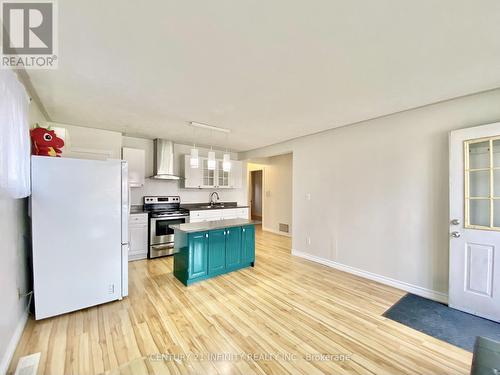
point(496, 213)
point(496, 153)
point(208, 174)
point(479, 183)
point(479, 212)
point(479, 155)
point(496, 183)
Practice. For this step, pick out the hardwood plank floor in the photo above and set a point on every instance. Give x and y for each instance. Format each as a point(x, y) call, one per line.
point(286, 315)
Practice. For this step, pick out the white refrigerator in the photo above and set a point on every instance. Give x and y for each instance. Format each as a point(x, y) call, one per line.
point(79, 218)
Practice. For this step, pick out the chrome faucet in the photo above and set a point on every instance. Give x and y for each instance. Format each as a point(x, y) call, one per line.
point(212, 202)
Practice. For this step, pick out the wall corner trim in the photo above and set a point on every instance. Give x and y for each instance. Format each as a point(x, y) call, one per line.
point(14, 340)
point(411, 288)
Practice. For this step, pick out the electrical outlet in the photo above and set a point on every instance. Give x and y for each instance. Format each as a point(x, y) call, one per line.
point(308, 241)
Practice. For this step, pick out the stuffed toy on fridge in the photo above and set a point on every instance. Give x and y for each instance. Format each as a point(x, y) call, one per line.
point(45, 142)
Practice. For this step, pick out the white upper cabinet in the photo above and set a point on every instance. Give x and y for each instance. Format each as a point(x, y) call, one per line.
point(204, 178)
point(236, 174)
point(192, 176)
point(208, 176)
point(136, 159)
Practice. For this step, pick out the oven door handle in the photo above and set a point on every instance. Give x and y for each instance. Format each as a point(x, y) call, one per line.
point(163, 247)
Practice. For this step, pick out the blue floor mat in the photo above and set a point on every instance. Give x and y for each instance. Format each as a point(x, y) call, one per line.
point(442, 322)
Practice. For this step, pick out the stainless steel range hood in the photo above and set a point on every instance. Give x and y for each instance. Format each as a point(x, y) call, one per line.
point(164, 160)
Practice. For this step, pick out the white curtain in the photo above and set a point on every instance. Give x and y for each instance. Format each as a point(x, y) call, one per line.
point(15, 144)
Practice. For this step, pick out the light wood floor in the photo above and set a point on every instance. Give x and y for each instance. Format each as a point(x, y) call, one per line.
point(286, 308)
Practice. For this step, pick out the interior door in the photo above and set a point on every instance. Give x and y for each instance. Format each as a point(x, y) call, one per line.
point(474, 274)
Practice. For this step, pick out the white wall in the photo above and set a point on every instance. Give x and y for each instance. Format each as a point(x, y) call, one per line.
point(157, 187)
point(88, 143)
point(14, 270)
point(379, 192)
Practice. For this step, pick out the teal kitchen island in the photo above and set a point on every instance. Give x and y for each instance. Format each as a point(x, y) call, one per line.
point(212, 248)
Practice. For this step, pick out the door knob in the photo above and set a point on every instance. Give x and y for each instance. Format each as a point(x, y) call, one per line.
point(455, 234)
point(455, 222)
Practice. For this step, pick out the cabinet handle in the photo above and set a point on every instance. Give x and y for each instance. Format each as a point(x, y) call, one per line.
point(243, 229)
point(206, 235)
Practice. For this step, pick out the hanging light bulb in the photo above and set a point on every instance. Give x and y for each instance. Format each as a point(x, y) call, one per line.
point(211, 160)
point(226, 162)
point(194, 160)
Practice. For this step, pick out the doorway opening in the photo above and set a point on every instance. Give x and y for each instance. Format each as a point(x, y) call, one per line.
point(256, 194)
point(270, 192)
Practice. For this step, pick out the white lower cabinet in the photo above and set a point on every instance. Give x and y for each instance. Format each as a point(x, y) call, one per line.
point(138, 236)
point(222, 214)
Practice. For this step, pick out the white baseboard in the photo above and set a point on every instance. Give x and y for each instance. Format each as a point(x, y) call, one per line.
point(411, 288)
point(14, 340)
point(276, 232)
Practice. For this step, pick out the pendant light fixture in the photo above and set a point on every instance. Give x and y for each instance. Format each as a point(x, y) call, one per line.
point(211, 160)
point(194, 160)
point(226, 160)
point(211, 163)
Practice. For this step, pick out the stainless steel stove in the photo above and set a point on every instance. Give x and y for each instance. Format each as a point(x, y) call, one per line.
point(163, 212)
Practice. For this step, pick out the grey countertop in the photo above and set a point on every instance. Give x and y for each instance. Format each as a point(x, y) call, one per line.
point(137, 209)
point(204, 206)
point(212, 225)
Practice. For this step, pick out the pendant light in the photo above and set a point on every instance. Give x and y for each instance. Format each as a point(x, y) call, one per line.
point(211, 160)
point(194, 160)
point(226, 160)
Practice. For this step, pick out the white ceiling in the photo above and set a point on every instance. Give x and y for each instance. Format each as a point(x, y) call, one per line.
point(267, 70)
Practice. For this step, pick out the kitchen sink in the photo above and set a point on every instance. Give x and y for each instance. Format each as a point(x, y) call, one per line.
point(212, 206)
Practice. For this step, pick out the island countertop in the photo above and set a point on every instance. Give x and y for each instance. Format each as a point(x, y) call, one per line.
point(212, 225)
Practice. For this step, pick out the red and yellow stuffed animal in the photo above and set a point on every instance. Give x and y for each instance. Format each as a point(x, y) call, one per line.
point(45, 142)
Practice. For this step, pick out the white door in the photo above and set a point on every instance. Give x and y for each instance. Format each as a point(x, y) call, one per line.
point(474, 281)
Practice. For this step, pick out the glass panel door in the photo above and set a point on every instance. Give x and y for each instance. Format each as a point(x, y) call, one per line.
point(208, 175)
point(482, 183)
point(223, 177)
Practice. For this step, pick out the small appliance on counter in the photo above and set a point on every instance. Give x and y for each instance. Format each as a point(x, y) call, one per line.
point(163, 212)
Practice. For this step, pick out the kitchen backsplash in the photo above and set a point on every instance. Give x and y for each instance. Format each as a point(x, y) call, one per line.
point(154, 187)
